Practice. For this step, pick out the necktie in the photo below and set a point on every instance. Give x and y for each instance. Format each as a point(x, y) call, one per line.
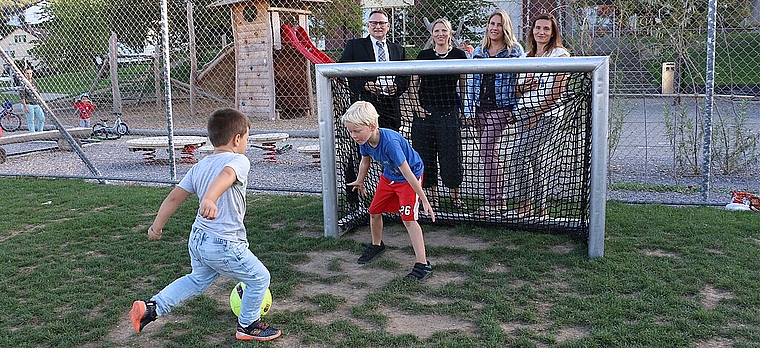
point(380, 52)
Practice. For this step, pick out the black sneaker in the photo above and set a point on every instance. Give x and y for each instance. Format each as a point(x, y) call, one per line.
point(142, 313)
point(420, 271)
point(370, 252)
point(257, 331)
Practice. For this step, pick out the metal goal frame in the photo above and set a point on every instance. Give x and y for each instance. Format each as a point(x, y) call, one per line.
point(597, 66)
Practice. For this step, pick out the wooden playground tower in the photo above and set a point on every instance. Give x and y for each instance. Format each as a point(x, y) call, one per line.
point(272, 80)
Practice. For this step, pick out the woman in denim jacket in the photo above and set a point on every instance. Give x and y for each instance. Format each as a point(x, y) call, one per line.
point(494, 98)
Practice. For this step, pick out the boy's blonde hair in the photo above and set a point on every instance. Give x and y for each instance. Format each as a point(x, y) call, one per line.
point(361, 113)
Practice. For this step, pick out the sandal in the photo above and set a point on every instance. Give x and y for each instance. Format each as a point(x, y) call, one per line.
point(517, 214)
point(459, 204)
point(486, 211)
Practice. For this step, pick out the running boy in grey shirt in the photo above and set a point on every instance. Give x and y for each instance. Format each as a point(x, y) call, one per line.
point(218, 243)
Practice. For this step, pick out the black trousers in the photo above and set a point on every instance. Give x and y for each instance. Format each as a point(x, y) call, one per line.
point(437, 138)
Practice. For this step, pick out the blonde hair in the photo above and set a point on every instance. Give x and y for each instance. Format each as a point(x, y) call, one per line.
point(506, 23)
point(361, 113)
point(446, 24)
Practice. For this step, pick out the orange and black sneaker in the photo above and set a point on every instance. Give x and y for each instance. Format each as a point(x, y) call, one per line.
point(142, 313)
point(257, 331)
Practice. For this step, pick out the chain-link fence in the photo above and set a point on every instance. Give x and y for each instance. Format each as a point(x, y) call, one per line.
point(258, 56)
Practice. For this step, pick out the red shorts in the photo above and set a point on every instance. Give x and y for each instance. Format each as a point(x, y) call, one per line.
point(396, 197)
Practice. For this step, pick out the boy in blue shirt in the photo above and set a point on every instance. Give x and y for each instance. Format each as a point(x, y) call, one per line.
point(218, 243)
point(400, 187)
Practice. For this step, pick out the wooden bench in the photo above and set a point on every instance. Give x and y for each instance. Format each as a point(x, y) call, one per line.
point(54, 135)
point(148, 145)
point(268, 143)
point(310, 150)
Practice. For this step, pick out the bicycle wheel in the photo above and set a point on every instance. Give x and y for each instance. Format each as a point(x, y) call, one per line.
point(99, 131)
point(122, 129)
point(10, 122)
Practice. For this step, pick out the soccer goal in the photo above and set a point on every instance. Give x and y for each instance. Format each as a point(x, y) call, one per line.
point(541, 166)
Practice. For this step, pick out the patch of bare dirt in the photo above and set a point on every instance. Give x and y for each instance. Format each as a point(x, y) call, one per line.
point(564, 334)
point(660, 253)
point(395, 235)
point(715, 342)
point(123, 335)
point(562, 248)
point(571, 333)
point(422, 326)
point(711, 296)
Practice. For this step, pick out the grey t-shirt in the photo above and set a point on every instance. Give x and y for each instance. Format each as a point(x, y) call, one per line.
point(228, 224)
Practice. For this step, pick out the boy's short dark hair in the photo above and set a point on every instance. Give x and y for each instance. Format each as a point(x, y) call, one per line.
point(224, 124)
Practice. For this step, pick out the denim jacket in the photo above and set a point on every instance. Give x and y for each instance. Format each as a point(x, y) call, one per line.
point(505, 82)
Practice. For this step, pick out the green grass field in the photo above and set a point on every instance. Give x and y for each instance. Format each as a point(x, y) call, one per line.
point(670, 277)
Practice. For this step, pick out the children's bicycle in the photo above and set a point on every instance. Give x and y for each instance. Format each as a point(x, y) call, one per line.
point(102, 130)
point(9, 121)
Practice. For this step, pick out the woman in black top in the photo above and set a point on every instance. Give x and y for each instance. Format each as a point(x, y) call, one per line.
point(435, 129)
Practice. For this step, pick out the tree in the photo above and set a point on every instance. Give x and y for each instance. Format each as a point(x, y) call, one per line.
point(335, 21)
point(474, 13)
point(78, 30)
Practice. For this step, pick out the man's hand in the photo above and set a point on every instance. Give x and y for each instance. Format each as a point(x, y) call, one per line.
point(421, 112)
point(373, 87)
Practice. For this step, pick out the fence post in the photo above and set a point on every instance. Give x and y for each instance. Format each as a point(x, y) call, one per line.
point(709, 88)
point(168, 90)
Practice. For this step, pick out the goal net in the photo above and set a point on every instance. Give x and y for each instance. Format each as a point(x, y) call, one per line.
point(519, 143)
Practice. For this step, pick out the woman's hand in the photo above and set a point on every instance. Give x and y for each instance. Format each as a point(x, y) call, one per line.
point(421, 112)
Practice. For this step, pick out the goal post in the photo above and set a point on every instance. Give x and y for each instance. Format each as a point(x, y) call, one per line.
point(578, 171)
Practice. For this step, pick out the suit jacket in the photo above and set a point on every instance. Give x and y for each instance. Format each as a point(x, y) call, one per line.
point(361, 50)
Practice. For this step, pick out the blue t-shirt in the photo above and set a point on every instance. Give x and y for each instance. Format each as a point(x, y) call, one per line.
point(391, 151)
point(228, 224)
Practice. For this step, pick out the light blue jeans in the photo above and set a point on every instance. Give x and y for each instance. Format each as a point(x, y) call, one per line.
point(210, 257)
point(35, 111)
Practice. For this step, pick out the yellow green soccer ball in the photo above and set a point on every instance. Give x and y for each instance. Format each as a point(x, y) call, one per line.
point(236, 299)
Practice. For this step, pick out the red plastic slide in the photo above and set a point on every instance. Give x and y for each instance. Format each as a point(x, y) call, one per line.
point(302, 43)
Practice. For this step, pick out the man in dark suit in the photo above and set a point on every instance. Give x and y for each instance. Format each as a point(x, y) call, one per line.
point(382, 91)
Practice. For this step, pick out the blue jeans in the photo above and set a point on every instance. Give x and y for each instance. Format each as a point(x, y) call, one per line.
point(210, 257)
point(35, 111)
